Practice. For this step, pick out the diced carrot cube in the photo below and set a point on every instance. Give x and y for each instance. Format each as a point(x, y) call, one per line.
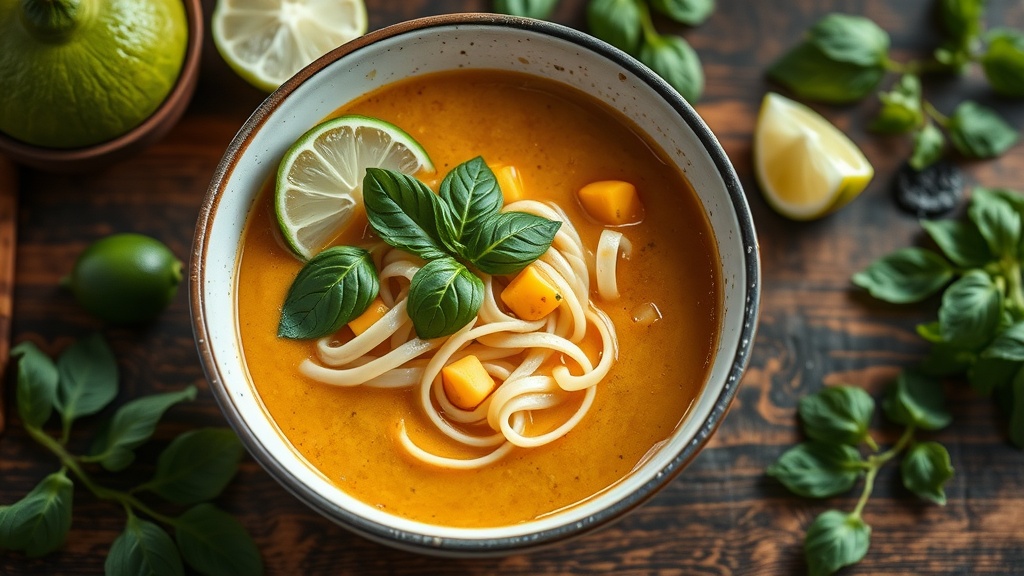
point(530, 295)
point(510, 182)
point(466, 382)
point(612, 202)
point(375, 312)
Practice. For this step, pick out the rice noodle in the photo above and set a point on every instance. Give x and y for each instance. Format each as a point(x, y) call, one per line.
point(610, 245)
point(527, 359)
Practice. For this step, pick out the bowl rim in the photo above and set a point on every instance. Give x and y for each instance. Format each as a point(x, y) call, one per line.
point(151, 129)
point(499, 545)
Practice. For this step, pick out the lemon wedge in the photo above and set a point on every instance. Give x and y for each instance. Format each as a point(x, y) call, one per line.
point(320, 180)
point(268, 41)
point(806, 167)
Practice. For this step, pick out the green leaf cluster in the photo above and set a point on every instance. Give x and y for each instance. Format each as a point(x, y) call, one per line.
point(627, 25)
point(837, 420)
point(193, 469)
point(977, 268)
point(844, 58)
point(460, 228)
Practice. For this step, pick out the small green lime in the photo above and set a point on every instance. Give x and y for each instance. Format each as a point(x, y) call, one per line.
point(125, 278)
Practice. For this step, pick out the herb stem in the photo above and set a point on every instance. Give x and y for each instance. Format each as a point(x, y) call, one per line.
point(1015, 288)
point(69, 462)
point(940, 118)
point(651, 35)
point(875, 463)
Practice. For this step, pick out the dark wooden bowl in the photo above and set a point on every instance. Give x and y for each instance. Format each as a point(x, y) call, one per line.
point(149, 131)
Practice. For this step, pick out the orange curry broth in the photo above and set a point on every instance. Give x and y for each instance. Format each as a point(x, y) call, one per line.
point(559, 140)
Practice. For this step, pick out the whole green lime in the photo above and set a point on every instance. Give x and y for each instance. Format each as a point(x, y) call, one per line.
point(81, 72)
point(125, 278)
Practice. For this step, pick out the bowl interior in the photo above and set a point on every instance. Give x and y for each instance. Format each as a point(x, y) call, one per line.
point(422, 47)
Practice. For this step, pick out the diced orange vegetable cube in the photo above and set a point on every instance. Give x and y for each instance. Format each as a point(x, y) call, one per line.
point(530, 295)
point(510, 182)
point(612, 202)
point(375, 312)
point(466, 382)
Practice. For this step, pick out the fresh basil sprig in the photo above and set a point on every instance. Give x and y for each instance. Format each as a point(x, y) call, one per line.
point(979, 269)
point(843, 58)
point(461, 227)
point(193, 469)
point(838, 419)
point(330, 290)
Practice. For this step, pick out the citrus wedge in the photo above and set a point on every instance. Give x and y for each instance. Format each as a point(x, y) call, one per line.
point(806, 167)
point(320, 180)
point(268, 41)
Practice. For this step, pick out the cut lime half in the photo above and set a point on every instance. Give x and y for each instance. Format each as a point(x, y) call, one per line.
point(320, 180)
point(267, 41)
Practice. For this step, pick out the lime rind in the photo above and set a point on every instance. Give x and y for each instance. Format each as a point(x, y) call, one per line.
point(320, 179)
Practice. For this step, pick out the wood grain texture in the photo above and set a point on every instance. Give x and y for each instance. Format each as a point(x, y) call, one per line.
point(722, 516)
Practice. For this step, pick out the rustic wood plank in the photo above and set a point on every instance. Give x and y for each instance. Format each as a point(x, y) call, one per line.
point(8, 240)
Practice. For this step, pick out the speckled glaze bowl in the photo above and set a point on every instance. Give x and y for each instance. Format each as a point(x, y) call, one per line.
point(152, 129)
point(421, 47)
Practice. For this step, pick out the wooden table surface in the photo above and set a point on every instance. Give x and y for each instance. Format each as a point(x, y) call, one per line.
point(722, 515)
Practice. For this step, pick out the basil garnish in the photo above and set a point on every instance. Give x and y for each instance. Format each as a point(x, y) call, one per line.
point(527, 8)
point(443, 297)
point(334, 287)
point(462, 226)
point(473, 195)
point(406, 214)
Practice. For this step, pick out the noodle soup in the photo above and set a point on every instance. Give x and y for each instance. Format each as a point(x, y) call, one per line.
point(664, 322)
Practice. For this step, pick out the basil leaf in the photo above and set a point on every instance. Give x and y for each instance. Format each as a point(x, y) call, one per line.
point(834, 540)
point(1008, 344)
point(132, 425)
point(39, 522)
point(997, 221)
point(37, 384)
point(1017, 411)
point(88, 378)
point(962, 20)
point(929, 144)
point(510, 241)
point(143, 548)
point(925, 469)
point(915, 399)
point(901, 107)
point(989, 374)
point(1003, 61)
point(617, 22)
point(850, 39)
point(472, 195)
point(971, 310)
point(907, 275)
point(690, 12)
point(196, 466)
point(443, 297)
point(676, 62)
point(817, 470)
point(978, 132)
point(540, 9)
point(215, 544)
point(812, 75)
point(332, 288)
point(837, 415)
point(961, 242)
point(406, 214)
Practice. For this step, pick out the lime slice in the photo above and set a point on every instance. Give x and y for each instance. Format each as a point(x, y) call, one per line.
point(806, 167)
point(268, 41)
point(320, 181)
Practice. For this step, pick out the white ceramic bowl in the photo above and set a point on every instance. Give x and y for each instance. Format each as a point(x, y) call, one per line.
point(430, 45)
